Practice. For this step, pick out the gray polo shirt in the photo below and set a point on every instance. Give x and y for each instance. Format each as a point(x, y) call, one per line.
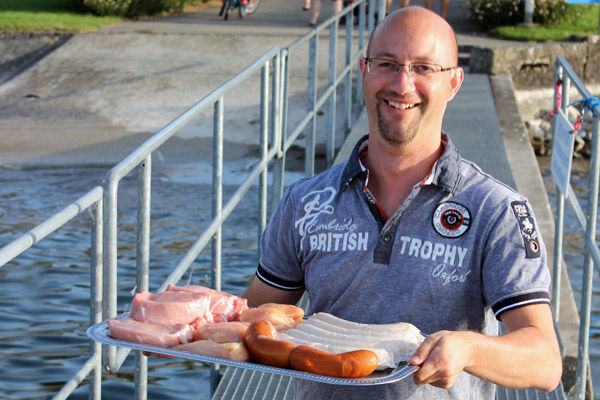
point(461, 251)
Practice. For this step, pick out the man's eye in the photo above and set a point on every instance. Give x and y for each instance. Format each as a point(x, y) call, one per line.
point(422, 68)
point(386, 65)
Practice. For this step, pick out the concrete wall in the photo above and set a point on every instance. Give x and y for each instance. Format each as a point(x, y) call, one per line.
point(532, 66)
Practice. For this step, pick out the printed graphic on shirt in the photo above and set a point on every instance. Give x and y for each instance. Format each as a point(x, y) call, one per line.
point(451, 219)
point(324, 234)
point(447, 260)
point(528, 232)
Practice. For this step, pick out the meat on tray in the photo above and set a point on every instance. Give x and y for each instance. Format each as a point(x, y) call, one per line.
point(201, 320)
point(191, 304)
point(197, 319)
point(161, 335)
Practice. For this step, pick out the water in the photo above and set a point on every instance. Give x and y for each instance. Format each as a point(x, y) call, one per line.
point(44, 294)
point(572, 253)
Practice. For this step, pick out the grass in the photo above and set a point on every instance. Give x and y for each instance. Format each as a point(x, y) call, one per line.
point(581, 21)
point(49, 16)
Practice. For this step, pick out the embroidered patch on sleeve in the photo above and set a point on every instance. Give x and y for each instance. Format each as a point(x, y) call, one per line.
point(528, 232)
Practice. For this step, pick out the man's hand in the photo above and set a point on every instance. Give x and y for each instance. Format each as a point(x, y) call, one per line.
point(442, 357)
point(527, 356)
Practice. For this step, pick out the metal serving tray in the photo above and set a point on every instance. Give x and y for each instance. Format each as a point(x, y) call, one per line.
point(100, 333)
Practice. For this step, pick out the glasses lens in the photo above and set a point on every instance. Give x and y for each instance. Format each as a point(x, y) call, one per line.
point(381, 66)
point(424, 69)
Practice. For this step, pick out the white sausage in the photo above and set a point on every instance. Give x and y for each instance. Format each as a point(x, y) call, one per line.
point(401, 349)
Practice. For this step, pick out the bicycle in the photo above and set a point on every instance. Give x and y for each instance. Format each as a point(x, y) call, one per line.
point(245, 7)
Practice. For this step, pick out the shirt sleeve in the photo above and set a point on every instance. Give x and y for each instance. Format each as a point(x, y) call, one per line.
point(515, 269)
point(279, 264)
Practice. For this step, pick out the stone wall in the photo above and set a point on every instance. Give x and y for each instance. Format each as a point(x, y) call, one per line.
point(531, 66)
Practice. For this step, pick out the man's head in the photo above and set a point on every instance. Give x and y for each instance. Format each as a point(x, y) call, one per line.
point(408, 107)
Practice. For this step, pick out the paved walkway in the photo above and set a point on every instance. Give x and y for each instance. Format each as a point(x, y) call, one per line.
point(99, 95)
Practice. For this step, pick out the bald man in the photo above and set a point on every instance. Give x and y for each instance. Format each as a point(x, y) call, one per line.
point(407, 230)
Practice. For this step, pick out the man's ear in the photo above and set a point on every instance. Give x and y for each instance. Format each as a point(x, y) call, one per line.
point(456, 80)
point(363, 67)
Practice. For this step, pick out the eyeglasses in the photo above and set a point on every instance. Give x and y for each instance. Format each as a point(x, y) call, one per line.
point(382, 66)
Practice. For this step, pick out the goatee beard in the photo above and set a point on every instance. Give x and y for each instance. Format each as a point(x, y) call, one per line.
point(392, 133)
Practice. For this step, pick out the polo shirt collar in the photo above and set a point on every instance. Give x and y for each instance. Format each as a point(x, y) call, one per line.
point(446, 174)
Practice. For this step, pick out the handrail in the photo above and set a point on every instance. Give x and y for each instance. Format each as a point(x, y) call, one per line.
point(113, 177)
point(565, 74)
point(275, 141)
point(35, 235)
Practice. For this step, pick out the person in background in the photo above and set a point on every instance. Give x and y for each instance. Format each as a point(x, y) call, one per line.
point(316, 9)
point(445, 6)
point(406, 230)
point(388, 4)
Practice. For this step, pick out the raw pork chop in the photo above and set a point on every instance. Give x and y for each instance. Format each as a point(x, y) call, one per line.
point(223, 332)
point(130, 330)
point(170, 308)
point(279, 315)
point(224, 306)
point(232, 351)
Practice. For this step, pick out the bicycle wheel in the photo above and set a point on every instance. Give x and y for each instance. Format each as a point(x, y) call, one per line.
point(252, 6)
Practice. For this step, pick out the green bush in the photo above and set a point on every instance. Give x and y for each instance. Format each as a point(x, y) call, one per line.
point(136, 8)
point(114, 8)
point(153, 7)
point(492, 13)
point(549, 11)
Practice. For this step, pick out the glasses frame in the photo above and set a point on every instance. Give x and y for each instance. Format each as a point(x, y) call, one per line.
point(368, 61)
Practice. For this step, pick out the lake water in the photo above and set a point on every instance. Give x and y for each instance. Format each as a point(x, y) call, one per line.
point(44, 294)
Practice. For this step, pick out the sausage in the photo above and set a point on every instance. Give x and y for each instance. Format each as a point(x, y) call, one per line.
point(336, 324)
point(261, 342)
point(352, 364)
point(333, 346)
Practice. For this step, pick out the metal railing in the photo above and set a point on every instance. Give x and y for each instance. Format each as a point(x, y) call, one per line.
point(568, 79)
point(274, 68)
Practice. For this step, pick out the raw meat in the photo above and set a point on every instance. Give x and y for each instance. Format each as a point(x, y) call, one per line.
point(130, 330)
point(232, 351)
point(223, 306)
point(278, 315)
point(170, 308)
point(223, 332)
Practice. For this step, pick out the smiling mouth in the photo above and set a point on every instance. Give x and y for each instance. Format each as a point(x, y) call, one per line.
point(401, 106)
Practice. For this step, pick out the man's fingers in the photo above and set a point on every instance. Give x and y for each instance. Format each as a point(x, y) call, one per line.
point(422, 353)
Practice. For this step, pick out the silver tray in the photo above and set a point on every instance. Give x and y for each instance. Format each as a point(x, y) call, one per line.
point(100, 333)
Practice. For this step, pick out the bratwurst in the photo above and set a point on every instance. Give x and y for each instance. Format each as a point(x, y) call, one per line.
point(328, 345)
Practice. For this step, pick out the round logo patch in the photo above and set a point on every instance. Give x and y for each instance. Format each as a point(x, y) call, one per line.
point(451, 219)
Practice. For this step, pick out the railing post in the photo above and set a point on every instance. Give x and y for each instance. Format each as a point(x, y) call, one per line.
point(217, 205)
point(143, 263)
point(109, 298)
point(96, 271)
point(279, 162)
point(563, 91)
point(333, 37)
point(381, 10)
point(348, 80)
point(588, 266)
point(309, 168)
point(264, 141)
point(361, 45)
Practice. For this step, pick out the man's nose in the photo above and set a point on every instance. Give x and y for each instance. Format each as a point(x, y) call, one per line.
point(403, 80)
